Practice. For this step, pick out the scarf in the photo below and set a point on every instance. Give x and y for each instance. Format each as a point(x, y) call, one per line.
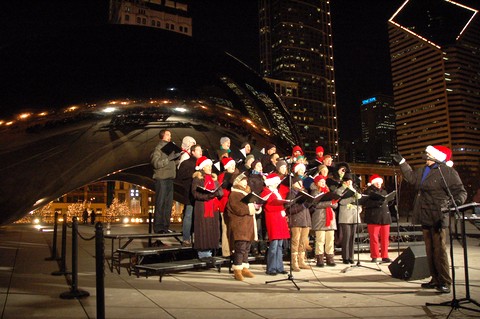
point(209, 205)
point(328, 210)
point(426, 172)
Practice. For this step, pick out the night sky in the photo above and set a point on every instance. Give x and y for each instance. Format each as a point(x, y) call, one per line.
point(362, 65)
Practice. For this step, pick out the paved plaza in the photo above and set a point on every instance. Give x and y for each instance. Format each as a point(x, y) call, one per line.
point(28, 290)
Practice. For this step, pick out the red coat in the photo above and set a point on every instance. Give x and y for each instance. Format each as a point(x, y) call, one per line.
point(277, 226)
point(226, 193)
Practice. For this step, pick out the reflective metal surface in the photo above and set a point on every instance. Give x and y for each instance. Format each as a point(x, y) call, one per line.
point(87, 104)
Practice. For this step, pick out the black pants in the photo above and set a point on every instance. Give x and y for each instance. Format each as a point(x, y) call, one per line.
point(240, 254)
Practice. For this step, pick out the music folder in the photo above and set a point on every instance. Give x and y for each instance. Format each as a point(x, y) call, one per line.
point(170, 148)
point(254, 198)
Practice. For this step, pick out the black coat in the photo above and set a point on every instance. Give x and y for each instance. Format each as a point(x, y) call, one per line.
point(432, 197)
point(184, 177)
point(376, 210)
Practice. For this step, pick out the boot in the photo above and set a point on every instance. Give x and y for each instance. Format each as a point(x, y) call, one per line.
point(294, 262)
point(301, 261)
point(237, 274)
point(320, 261)
point(330, 260)
point(247, 273)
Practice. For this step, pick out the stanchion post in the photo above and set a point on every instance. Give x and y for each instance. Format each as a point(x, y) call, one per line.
point(54, 239)
point(63, 263)
point(74, 291)
point(100, 269)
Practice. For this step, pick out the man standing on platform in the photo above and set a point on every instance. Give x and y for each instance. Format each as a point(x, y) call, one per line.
point(431, 207)
point(164, 172)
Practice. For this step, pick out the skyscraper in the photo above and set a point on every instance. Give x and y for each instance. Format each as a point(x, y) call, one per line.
point(378, 128)
point(435, 59)
point(296, 46)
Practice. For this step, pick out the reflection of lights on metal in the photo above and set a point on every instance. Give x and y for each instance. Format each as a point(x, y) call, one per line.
point(166, 101)
point(248, 121)
point(2, 122)
point(38, 227)
point(171, 89)
point(180, 109)
point(124, 103)
point(126, 220)
point(24, 116)
point(41, 200)
point(43, 114)
point(36, 221)
point(60, 219)
point(71, 109)
point(204, 107)
point(229, 114)
point(9, 123)
point(109, 109)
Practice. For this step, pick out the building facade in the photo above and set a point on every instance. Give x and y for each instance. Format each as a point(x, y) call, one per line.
point(435, 49)
point(378, 128)
point(164, 14)
point(296, 46)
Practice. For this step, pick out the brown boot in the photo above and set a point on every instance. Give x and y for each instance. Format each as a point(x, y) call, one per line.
point(294, 262)
point(237, 273)
point(320, 260)
point(301, 261)
point(246, 272)
point(330, 260)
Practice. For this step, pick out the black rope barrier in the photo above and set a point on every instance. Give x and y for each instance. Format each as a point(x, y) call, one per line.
point(63, 264)
point(74, 291)
point(100, 269)
point(54, 240)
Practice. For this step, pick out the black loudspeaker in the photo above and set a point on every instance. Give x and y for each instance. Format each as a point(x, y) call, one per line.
point(412, 264)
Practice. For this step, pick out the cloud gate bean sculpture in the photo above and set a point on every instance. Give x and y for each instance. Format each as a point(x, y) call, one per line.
point(86, 104)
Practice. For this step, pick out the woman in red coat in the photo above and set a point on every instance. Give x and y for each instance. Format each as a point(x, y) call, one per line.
point(277, 226)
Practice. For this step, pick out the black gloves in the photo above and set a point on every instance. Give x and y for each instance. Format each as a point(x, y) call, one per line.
point(397, 158)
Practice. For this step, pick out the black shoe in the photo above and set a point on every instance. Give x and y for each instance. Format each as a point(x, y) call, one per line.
point(158, 243)
point(271, 273)
point(429, 285)
point(350, 261)
point(374, 260)
point(283, 272)
point(444, 289)
point(386, 260)
point(345, 261)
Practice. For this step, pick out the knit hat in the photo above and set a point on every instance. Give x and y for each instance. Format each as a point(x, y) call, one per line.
point(318, 178)
point(375, 178)
point(224, 139)
point(272, 179)
point(202, 162)
point(239, 178)
point(440, 153)
point(319, 149)
point(227, 161)
point(187, 142)
point(297, 148)
point(280, 163)
point(298, 167)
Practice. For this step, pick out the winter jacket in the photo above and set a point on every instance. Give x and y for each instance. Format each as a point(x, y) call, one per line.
point(298, 213)
point(349, 208)
point(275, 216)
point(432, 199)
point(319, 215)
point(376, 210)
point(241, 220)
point(163, 168)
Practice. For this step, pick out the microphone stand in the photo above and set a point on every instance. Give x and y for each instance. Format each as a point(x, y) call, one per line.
point(357, 223)
point(290, 274)
point(456, 303)
point(397, 200)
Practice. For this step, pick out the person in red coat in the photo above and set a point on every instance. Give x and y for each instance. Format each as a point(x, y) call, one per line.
point(277, 226)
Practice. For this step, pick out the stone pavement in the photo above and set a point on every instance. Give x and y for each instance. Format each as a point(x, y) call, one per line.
point(28, 290)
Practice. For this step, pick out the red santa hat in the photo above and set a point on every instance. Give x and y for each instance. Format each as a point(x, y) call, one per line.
point(227, 161)
point(440, 153)
point(202, 162)
point(319, 149)
point(297, 148)
point(374, 178)
point(299, 166)
point(272, 179)
point(318, 178)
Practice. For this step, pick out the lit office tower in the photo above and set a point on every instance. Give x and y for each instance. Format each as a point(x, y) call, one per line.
point(435, 59)
point(296, 46)
point(378, 128)
point(163, 14)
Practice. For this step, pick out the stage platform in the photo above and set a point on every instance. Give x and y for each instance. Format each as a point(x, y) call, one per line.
point(28, 290)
